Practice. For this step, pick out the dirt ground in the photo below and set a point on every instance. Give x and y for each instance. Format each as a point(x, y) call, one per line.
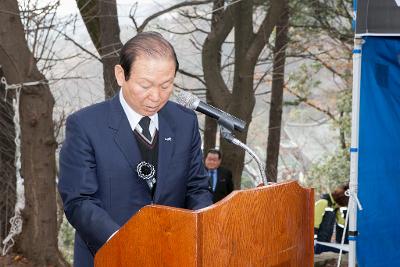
point(14, 261)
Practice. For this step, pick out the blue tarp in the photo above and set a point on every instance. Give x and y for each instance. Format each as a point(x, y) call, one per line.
point(379, 154)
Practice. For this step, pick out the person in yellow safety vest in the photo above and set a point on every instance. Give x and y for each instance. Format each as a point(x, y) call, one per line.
point(330, 211)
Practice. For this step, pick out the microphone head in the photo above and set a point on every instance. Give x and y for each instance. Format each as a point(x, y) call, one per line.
point(187, 99)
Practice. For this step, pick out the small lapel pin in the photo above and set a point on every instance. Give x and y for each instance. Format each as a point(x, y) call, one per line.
point(168, 139)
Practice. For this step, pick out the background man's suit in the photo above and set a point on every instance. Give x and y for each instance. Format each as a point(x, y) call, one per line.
point(224, 184)
point(98, 180)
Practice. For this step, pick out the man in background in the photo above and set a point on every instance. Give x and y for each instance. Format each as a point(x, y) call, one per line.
point(221, 183)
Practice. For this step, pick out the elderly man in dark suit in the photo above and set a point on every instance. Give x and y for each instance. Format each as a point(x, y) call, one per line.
point(135, 149)
point(220, 178)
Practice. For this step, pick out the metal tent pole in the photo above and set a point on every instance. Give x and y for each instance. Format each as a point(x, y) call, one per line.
point(353, 186)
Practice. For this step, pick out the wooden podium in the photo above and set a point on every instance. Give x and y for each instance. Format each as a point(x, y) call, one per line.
point(265, 226)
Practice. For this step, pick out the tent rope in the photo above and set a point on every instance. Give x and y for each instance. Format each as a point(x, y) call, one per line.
point(16, 221)
point(351, 193)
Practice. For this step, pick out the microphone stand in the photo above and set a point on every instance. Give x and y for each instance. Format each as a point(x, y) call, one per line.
point(226, 128)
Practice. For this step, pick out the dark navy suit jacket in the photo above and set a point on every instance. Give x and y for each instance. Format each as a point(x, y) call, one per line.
point(98, 181)
point(224, 184)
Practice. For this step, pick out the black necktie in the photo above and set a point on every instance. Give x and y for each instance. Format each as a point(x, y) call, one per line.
point(144, 123)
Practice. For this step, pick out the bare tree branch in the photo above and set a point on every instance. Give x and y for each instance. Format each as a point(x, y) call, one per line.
point(196, 91)
point(132, 14)
point(197, 16)
point(211, 48)
point(78, 45)
point(183, 4)
point(191, 75)
point(264, 32)
point(311, 104)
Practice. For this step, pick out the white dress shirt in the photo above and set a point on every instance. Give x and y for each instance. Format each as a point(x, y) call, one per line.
point(134, 117)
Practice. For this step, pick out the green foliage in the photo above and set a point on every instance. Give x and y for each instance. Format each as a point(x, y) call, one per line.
point(330, 172)
point(246, 182)
point(302, 82)
point(344, 108)
point(323, 30)
point(66, 240)
point(334, 170)
point(317, 16)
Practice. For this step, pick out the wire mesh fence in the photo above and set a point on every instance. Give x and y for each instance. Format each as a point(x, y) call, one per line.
point(7, 156)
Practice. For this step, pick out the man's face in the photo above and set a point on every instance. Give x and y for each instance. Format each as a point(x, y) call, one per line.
point(150, 83)
point(212, 161)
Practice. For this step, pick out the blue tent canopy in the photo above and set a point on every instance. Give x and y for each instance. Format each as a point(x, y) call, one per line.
point(379, 153)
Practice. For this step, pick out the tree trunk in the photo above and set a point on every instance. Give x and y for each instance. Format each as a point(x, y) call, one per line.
point(248, 46)
point(101, 20)
point(7, 152)
point(275, 112)
point(38, 240)
point(210, 128)
point(243, 99)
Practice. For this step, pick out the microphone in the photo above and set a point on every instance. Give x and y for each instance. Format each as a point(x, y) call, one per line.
point(191, 101)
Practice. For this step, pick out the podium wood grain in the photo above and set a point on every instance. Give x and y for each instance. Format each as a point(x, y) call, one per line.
point(265, 226)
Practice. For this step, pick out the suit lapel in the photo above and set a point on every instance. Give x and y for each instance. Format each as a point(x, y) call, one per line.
point(124, 137)
point(166, 144)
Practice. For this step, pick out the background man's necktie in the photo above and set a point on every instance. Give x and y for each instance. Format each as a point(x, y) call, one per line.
point(213, 176)
point(145, 123)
